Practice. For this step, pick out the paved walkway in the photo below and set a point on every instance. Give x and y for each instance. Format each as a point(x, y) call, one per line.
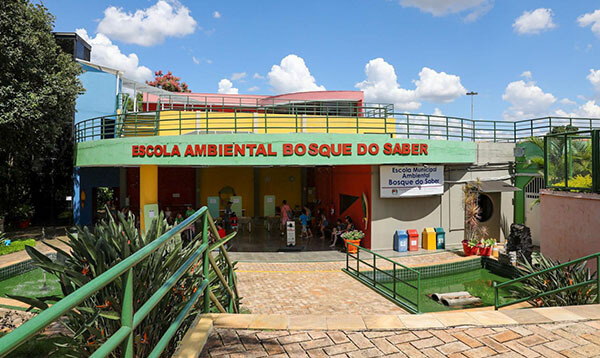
point(541, 332)
point(317, 287)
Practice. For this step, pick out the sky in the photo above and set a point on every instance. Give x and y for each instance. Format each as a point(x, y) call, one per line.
point(524, 58)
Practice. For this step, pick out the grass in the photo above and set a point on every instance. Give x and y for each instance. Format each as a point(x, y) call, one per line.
point(15, 246)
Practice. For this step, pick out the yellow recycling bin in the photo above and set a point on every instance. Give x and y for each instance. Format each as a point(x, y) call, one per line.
point(428, 238)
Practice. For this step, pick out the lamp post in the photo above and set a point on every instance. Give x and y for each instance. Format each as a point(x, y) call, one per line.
point(472, 94)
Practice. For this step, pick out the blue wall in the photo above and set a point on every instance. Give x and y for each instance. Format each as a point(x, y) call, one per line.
point(84, 180)
point(100, 97)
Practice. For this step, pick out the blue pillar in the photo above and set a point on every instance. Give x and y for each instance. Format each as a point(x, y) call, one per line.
point(76, 196)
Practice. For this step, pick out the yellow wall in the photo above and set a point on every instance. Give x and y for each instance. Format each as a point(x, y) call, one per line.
point(241, 179)
point(189, 121)
point(276, 181)
point(148, 188)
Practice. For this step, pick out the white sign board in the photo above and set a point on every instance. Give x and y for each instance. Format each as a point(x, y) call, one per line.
point(291, 233)
point(402, 181)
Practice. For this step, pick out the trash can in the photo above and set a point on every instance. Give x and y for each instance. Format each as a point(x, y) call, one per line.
point(413, 240)
point(428, 238)
point(400, 241)
point(441, 238)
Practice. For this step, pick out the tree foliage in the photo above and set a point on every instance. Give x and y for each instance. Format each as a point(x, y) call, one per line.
point(38, 87)
point(168, 82)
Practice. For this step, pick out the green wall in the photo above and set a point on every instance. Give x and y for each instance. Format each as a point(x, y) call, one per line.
point(119, 152)
point(523, 166)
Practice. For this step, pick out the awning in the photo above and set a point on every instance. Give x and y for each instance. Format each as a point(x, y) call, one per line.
point(496, 186)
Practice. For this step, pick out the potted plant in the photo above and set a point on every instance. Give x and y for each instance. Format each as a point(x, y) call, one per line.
point(470, 247)
point(486, 248)
point(24, 213)
point(352, 237)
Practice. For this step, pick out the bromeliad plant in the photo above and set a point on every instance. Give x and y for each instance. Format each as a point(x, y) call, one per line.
point(554, 279)
point(353, 235)
point(93, 253)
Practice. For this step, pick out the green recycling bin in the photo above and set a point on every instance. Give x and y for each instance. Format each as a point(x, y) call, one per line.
point(440, 238)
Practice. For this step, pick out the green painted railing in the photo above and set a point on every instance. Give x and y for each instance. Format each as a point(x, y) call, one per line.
point(591, 282)
point(130, 319)
point(371, 275)
point(372, 120)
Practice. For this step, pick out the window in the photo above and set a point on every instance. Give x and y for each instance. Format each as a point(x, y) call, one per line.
point(486, 207)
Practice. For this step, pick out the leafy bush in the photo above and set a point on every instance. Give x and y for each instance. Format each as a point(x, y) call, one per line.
point(559, 278)
point(577, 182)
point(15, 246)
point(353, 235)
point(93, 253)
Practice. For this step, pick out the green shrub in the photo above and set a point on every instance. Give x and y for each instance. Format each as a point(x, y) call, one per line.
point(559, 278)
point(18, 245)
point(96, 251)
point(577, 182)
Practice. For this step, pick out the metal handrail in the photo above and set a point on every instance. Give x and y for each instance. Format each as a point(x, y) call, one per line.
point(497, 286)
point(129, 319)
point(401, 125)
point(404, 302)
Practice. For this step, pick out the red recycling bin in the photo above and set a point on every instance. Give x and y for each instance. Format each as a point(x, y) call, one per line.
point(413, 240)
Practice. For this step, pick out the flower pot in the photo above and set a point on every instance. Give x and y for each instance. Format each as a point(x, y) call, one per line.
point(485, 251)
point(467, 249)
point(24, 224)
point(352, 249)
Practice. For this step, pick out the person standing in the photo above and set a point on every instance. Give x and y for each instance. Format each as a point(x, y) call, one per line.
point(228, 213)
point(286, 215)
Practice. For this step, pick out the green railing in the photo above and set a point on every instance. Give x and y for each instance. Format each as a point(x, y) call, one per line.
point(295, 119)
point(377, 278)
point(572, 161)
point(591, 282)
point(124, 336)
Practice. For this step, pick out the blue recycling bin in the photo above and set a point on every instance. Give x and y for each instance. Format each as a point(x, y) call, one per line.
point(440, 238)
point(400, 241)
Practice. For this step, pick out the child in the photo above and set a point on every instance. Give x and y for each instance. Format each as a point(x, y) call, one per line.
point(306, 231)
point(339, 229)
point(233, 221)
point(178, 219)
point(323, 225)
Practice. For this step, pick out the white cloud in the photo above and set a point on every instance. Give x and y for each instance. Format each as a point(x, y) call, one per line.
point(445, 7)
point(196, 61)
point(527, 100)
point(534, 22)
point(437, 112)
point(149, 26)
point(105, 53)
point(253, 89)
point(292, 75)
point(217, 15)
point(238, 76)
point(567, 102)
point(226, 87)
point(587, 110)
point(438, 86)
point(209, 62)
point(382, 86)
point(258, 76)
point(526, 74)
point(594, 78)
point(593, 19)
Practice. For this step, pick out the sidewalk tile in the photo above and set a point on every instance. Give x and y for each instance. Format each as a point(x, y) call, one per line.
point(586, 311)
point(312, 322)
point(234, 320)
point(456, 319)
point(345, 322)
point(420, 321)
point(526, 316)
point(506, 336)
point(269, 321)
point(492, 318)
point(383, 322)
point(558, 314)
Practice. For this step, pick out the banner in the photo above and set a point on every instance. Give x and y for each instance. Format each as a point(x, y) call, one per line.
point(401, 181)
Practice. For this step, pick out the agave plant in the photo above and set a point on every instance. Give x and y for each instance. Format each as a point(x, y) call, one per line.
point(93, 253)
point(554, 279)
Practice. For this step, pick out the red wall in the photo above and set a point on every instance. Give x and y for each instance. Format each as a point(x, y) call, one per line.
point(176, 180)
point(133, 189)
point(353, 180)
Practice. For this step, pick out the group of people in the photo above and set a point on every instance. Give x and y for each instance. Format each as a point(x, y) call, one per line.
point(319, 223)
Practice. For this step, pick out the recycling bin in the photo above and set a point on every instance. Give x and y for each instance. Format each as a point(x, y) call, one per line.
point(413, 240)
point(400, 241)
point(428, 238)
point(440, 235)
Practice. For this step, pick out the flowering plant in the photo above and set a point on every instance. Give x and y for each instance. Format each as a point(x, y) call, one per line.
point(24, 212)
point(353, 235)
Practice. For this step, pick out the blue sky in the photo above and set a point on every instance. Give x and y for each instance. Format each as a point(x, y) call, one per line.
point(437, 49)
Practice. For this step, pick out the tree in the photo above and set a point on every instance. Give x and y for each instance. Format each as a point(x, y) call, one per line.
point(38, 88)
point(168, 82)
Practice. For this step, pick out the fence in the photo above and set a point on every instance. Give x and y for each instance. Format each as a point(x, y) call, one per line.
point(129, 319)
point(572, 161)
point(401, 284)
point(317, 119)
